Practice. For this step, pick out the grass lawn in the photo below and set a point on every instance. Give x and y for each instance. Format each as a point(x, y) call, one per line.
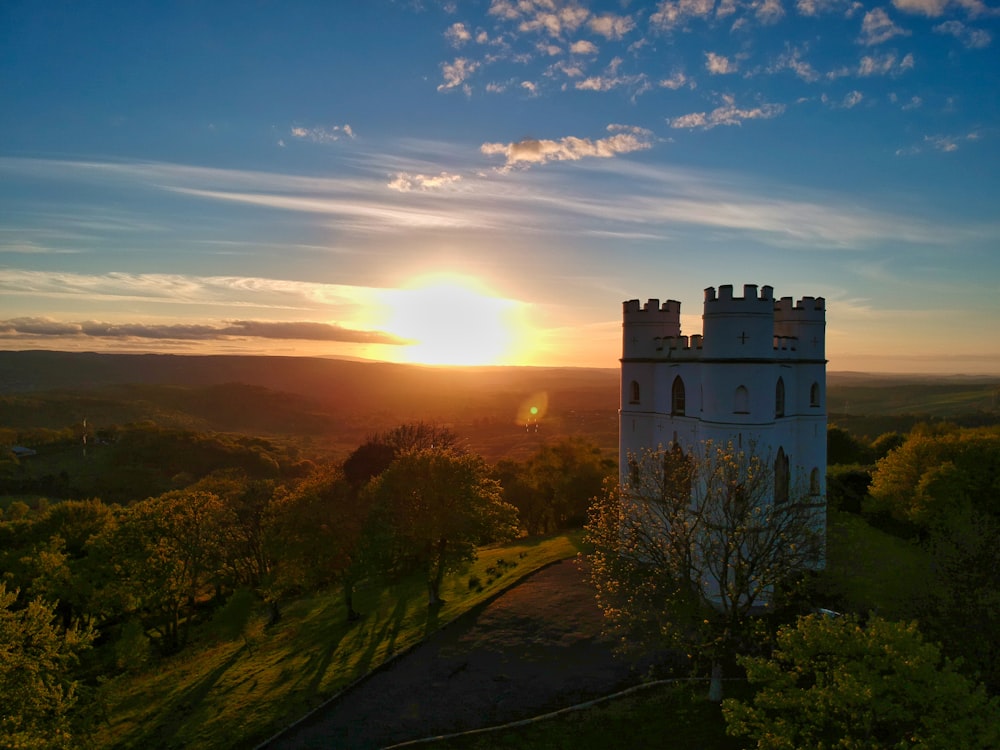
point(220, 695)
point(870, 570)
point(660, 716)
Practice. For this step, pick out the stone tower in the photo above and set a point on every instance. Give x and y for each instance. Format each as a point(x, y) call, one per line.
point(756, 373)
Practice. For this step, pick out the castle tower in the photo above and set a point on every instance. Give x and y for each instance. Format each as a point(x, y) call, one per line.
point(756, 375)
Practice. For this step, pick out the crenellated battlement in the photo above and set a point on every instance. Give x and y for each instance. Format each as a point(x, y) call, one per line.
point(724, 301)
point(678, 343)
point(652, 311)
point(806, 309)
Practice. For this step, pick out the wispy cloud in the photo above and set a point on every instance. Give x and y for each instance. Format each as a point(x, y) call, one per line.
point(877, 27)
point(625, 139)
point(611, 26)
point(727, 114)
point(968, 36)
point(887, 64)
point(300, 330)
point(322, 135)
point(457, 34)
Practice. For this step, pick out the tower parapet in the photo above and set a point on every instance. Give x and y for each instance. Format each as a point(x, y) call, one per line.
point(738, 327)
point(644, 327)
point(804, 320)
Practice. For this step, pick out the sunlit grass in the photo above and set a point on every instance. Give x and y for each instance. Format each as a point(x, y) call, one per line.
point(220, 695)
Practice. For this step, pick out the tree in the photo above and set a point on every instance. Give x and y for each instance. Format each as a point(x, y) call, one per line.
point(833, 682)
point(441, 505)
point(693, 546)
point(553, 489)
point(319, 534)
point(165, 552)
point(36, 662)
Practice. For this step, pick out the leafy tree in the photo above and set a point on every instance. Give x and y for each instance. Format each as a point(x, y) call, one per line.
point(319, 535)
point(692, 546)
point(553, 489)
point(36, 682)
point(833, 682)
point(165, 552)
point(373, 456)
point(441, 505)
point(844, 448)
point(934, 478)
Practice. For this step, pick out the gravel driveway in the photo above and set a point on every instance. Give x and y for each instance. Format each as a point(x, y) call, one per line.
point(535, 648)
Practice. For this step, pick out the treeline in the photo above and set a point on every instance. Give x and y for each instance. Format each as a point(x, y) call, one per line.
point(937, 488)
point(115, 585)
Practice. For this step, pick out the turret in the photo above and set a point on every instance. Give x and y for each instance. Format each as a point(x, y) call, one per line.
point(804, 321)
point(738, 327)
point(644, 328)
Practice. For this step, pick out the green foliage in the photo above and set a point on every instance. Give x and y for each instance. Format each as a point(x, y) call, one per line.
point(164, 553)
point(132, 650)
point(36, 685)
point(844, 448)
point(847, 487)
point(440, 505)
point(553, 489)
point(936, 478)
point(833, 682)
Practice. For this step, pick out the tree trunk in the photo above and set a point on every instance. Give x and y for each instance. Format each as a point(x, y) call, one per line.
point(434, 583)
point(352, 614)
point(715, 684)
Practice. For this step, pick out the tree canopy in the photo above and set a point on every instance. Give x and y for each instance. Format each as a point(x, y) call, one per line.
point(838, 683)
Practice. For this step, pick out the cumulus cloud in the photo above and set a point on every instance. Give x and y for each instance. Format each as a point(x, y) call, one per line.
point(672, 13)
point(969, 37)
point(719, 64)
point(727, 114)
point(768, 11)
point(457, 34)
point(304, 330)
point(404, 182)
point(623, 139)
point(611, 26)
point(321, 135)
point(819, 7)
point(546, 16)
point(583, 47)
point(455, 73)
point(877, 27)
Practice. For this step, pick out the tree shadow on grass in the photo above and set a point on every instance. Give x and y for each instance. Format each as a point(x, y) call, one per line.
point(163, 728)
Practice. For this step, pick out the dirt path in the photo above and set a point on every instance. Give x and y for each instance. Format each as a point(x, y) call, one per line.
point(535, 648)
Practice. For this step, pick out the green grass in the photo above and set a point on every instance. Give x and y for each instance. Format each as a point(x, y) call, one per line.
point(223, 696)
point(661, 716)
point(870, 570)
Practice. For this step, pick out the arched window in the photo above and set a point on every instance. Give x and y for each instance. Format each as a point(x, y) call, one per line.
point(781, 477)
point(741, 403)
point(814, 394)
point(814, 481)
point(677, 397)
point(633, 397)
point(779, 398)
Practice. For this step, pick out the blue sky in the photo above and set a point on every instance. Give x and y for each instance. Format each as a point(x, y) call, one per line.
point(486, 182)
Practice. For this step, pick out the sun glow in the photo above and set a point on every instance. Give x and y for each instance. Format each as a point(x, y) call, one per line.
point(453, 320)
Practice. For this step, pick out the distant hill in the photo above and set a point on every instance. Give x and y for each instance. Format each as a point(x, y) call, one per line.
point(342, 401)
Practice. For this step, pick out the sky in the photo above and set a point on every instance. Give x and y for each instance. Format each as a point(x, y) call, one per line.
point(462, 182)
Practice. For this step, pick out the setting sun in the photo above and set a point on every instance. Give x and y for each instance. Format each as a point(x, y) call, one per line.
point(452, 320)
